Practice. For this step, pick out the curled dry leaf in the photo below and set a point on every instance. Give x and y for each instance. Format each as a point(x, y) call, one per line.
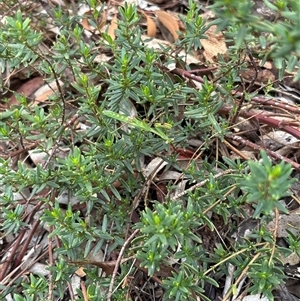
point(154, 167)
point(278, 139)
point(37, 157)
point(85, 24)
point(102, 19)
point(214, 44)
point(113, 26)
point(39, 269)
point(167, 21)
point(80, 272)
point(151, 27)
point(84, 11)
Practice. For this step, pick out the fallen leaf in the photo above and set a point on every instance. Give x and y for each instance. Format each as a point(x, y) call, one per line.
point(113, 26)
point(214, 44)
point(151, 27)
point(168, 22)
point(85, 24)
point(42, 94)
point(80, 272)
point(102, 19)
point(39, 269)
point(84, 12)
point(290, 222)
point(261, 75)
point(37, 156)
point(107, 266)
point(27, 89)
point(58, 2)
point(154, 167)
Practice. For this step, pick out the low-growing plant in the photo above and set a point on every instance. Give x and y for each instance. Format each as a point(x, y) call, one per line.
point(98, 131)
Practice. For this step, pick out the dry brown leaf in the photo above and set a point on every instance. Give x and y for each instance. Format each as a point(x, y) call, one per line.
point(85, 24)
point(102, 19)
point(43, 93)
point(27, 89)
point(267, 65)
point(106, 266)
point(113, 26)
point(85, 20)
point(151, 27)
point(43, 97)
point(262, 76)
point(80, 272)
point(168, 22)
point(214, 44)
point(155, 43)
point(177, 19)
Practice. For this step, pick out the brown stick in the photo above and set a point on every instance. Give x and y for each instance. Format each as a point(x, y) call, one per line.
point(13, 252)
point(269, 152)
point(259, 116)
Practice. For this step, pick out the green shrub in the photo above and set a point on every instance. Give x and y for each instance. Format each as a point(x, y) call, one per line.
point(133, 108)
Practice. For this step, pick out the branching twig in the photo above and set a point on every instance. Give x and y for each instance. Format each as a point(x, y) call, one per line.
point(5, 267)
point(67, 124)
point(200, 184)
point(274, 235)
point(84, 292)
point(19, 258)
point(262, 118)
point(51, 286)
point(111, 285)
point(269, 152)
point(276, 104)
